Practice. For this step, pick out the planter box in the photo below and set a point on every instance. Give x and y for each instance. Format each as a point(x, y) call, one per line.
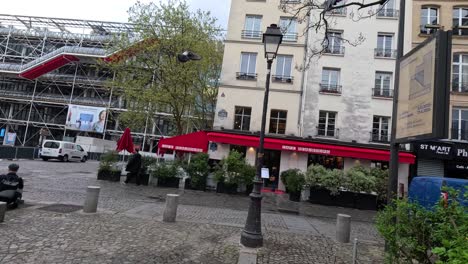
point(106, 175)
point(144, 179)
point(222, 187)
point(188, 185)
point(366, 201)
point(172, 182)
point(321, 196)
point(295, 196)
point(346, 199)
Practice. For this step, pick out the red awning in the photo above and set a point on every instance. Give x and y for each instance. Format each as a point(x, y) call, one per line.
point(193, 142)
point(309, 147)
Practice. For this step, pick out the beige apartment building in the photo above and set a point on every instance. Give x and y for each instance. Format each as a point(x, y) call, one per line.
point(426, 18)
point(294, 137)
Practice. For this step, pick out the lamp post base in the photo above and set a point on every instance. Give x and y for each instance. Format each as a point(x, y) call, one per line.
point(251, 240)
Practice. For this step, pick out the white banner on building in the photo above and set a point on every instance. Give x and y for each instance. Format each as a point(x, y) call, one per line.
point(86, 118)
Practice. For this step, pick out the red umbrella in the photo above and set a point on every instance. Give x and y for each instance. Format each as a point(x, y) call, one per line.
point(125, 142)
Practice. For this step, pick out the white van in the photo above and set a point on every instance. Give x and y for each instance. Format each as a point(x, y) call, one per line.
point(62, 150)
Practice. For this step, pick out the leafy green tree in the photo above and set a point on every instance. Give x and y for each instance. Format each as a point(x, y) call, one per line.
point(152, 80)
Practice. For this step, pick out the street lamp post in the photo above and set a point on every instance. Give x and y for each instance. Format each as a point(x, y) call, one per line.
point(252, 234)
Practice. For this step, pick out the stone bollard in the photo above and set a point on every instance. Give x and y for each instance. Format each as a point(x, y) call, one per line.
point(343, 228)
point(170, 212)
point(3, 208)
point(92, 197)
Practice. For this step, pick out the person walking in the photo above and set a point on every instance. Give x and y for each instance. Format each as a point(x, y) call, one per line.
point(11, 186)
point(133, 167)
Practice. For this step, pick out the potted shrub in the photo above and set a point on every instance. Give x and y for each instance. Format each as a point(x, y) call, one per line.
point(167, 174)
point(231, 172)
point(381, 183)
point(294, 181)
point(107, 170)
point(312, 178)
point(247, 177)
point(198, 170)
point(332, 181)
point(361, 183)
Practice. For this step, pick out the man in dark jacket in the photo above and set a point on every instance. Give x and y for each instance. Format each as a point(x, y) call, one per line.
point(133, 167)
point(11, 185)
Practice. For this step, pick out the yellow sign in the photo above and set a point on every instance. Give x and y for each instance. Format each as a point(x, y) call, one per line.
point(416, 93)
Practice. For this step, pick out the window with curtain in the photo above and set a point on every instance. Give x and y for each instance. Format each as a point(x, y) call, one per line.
point(252, 27)
point(460, 73)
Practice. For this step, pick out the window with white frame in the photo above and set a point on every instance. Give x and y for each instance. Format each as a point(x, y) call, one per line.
point(252, 27)
point(283, 68)
point(385, 46)
point(330, 80)
point(288, 26)
point(460, 21)
point(335, 42)
point(326, 125)
point(460, 124)
point(278, 121)
point(388, 9)
point(383, 84)
point(429, 19)
point(381, 129)
point(242, 117)
point(248, 64)
point(460, 73)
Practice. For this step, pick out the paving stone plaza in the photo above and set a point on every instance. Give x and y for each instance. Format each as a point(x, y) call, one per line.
point(51, 228)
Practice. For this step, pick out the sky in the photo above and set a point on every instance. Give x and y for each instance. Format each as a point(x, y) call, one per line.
point(106, 10)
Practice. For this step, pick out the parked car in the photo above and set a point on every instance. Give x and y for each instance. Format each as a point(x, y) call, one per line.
point(62, 150)
point(427, 191)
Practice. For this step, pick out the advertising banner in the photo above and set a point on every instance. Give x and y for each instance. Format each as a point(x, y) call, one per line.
point(86, 118)
point(10, 139)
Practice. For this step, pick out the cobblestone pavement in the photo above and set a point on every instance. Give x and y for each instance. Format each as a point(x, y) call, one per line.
point(128, 228)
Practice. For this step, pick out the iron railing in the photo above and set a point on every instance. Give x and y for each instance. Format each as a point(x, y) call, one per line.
point(428, 29)
point(379, 137)
point(330, 88)
point(246, 76)
point(282, 78)
point(459, 134)
point(385, 93)
point(331, 133)
point(338, 12)
point(253, 34)
point(337, 50)
point(388, 12)
point(291, 37)
point(458, 86)
point(385, 53)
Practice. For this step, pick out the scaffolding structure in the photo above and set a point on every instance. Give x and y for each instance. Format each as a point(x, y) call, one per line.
point(47, 64)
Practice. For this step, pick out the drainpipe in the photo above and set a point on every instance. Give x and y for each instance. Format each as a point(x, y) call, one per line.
point(300, 120)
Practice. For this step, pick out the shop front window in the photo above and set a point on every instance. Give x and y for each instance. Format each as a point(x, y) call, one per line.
point(380, 165)
point(329, 162)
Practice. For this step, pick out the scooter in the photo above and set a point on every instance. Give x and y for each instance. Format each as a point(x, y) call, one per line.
point(11, 197)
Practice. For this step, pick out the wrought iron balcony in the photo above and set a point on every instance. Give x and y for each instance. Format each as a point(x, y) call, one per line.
point(330, 88)
point(337, 50)
point(246, 76)
point(252, 34)
point(461, 87)
point(459, 134)
point(388, 12)
point(291, 37)
point(384, 93)
point(338, 12)
point(282, 78)
point(330, 133)
point(385, 53)
point(428, 29)
point(290, 1)
point(460, 30)
point(379, 137)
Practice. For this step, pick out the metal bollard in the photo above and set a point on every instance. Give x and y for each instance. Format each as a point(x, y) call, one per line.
point(3, 208)
point(170, 212)
point(355, 244)
point(92, 197)
point(343, 228)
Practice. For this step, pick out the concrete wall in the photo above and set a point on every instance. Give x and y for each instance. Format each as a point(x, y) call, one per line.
point(356, 105)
